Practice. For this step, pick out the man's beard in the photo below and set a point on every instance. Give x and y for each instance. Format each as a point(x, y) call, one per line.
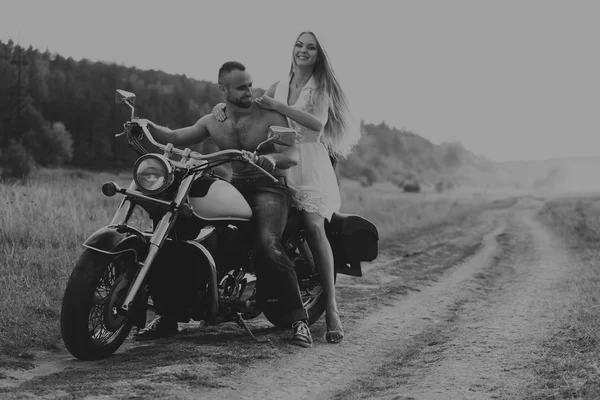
point(241, 102)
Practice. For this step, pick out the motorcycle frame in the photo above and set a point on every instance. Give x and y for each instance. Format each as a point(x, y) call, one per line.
point(107, 239)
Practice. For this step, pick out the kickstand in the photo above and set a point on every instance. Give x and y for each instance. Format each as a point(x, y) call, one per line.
point(241, 322)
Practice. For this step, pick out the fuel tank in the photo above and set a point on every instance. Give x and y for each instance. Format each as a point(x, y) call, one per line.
point(215, 199)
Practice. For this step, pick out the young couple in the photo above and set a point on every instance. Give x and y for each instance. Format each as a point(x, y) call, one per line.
point(310, 100)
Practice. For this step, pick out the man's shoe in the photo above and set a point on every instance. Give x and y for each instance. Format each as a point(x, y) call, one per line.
point(159, 328)
point(302, 335)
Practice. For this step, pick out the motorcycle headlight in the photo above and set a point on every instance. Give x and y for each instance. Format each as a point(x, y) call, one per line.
point(152, 173)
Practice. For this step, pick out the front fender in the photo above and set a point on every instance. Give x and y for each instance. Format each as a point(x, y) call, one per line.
point(118, 239)
point(179, 272)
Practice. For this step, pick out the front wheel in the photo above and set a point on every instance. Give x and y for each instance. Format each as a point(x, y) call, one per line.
point(90, 327)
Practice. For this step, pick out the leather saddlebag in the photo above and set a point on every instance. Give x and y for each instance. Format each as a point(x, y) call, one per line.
point(353, 239)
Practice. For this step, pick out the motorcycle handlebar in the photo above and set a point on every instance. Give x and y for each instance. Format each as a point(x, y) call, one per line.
point(240, 154)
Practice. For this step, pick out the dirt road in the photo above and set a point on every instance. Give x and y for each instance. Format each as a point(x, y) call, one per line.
point(455, 312)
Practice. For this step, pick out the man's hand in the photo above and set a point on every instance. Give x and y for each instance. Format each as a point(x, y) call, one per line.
point(266, 162)
point(135, 128)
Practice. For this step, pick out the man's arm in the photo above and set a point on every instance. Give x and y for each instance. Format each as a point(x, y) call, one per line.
point(183, 136)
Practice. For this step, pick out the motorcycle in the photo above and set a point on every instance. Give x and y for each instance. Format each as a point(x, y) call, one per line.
point(197, 255)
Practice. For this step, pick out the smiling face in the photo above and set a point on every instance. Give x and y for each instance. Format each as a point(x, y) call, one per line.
point(237, 88)
point(306, 51)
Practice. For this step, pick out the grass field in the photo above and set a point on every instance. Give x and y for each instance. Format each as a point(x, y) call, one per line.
point(44, 221)
point(570, 365)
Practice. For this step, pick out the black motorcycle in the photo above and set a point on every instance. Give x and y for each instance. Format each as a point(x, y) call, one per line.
point(198, 255)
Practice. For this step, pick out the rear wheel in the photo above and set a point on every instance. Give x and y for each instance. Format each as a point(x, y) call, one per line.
point(311, 291)
point(90, 326)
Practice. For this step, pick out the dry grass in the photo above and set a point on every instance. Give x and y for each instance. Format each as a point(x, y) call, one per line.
point(44, 221)
point(570, 365)
point(394, 211)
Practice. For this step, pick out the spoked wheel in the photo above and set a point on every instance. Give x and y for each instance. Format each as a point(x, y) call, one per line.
point(313, 300)
point(91, 327)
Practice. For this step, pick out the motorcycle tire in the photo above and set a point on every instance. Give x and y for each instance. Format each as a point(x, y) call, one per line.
point(89, 297)
point(315, 307)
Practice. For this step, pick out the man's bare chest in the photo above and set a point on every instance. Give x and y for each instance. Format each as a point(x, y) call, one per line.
point(243, 134)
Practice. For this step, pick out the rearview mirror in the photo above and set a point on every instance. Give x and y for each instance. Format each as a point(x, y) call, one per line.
point(277, 135)
point(281, 135)
point(121, 96)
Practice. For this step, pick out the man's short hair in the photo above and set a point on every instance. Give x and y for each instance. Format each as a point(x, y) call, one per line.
point(228, 67)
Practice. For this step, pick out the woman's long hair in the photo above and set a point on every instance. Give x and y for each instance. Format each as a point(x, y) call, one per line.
point(340, 132)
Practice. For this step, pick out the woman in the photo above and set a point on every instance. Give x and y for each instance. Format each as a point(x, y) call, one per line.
point(315, 105)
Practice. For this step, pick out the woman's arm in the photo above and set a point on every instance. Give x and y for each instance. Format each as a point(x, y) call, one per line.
point(314, 122)
point(303, 118)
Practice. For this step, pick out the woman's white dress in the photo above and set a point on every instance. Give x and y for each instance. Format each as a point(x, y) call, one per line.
point(313, 184)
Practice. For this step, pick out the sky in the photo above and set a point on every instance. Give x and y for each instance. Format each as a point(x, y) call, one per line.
point(510, 79)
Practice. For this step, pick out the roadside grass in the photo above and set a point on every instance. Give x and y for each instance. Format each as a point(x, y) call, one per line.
point(395, 212)
point(44, 221)
point(570, 364)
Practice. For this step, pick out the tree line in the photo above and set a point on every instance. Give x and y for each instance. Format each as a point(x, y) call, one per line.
point(58, 111)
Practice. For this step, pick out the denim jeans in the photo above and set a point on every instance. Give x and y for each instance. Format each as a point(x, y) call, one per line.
point(270, 205)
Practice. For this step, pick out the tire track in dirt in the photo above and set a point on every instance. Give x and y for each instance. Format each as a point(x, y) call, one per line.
point(488, 350)
point(320, 372)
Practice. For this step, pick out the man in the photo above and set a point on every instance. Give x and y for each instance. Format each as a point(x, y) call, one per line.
point(245, 127)
point(207, 147)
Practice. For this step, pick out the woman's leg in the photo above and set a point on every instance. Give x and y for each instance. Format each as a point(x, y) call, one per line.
point(323, 256)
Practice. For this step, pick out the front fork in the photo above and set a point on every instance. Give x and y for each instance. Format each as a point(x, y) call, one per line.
point(156, 241)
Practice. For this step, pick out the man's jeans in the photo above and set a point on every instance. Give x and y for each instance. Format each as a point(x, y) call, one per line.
point(270, 205)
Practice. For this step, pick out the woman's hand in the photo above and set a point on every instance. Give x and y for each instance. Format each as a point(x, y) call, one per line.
point(218, 112)
point(267, 103)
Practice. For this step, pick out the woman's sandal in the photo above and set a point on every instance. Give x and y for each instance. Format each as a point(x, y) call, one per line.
point(336, 335)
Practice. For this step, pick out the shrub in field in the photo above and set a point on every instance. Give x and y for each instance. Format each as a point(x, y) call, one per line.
point(368, 176)
point(397, 180)
point(411, 187)
point(16, 161)
point(52, 145)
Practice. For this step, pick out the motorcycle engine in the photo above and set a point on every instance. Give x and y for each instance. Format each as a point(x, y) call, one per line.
point(226, 245)
point(238, 289)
